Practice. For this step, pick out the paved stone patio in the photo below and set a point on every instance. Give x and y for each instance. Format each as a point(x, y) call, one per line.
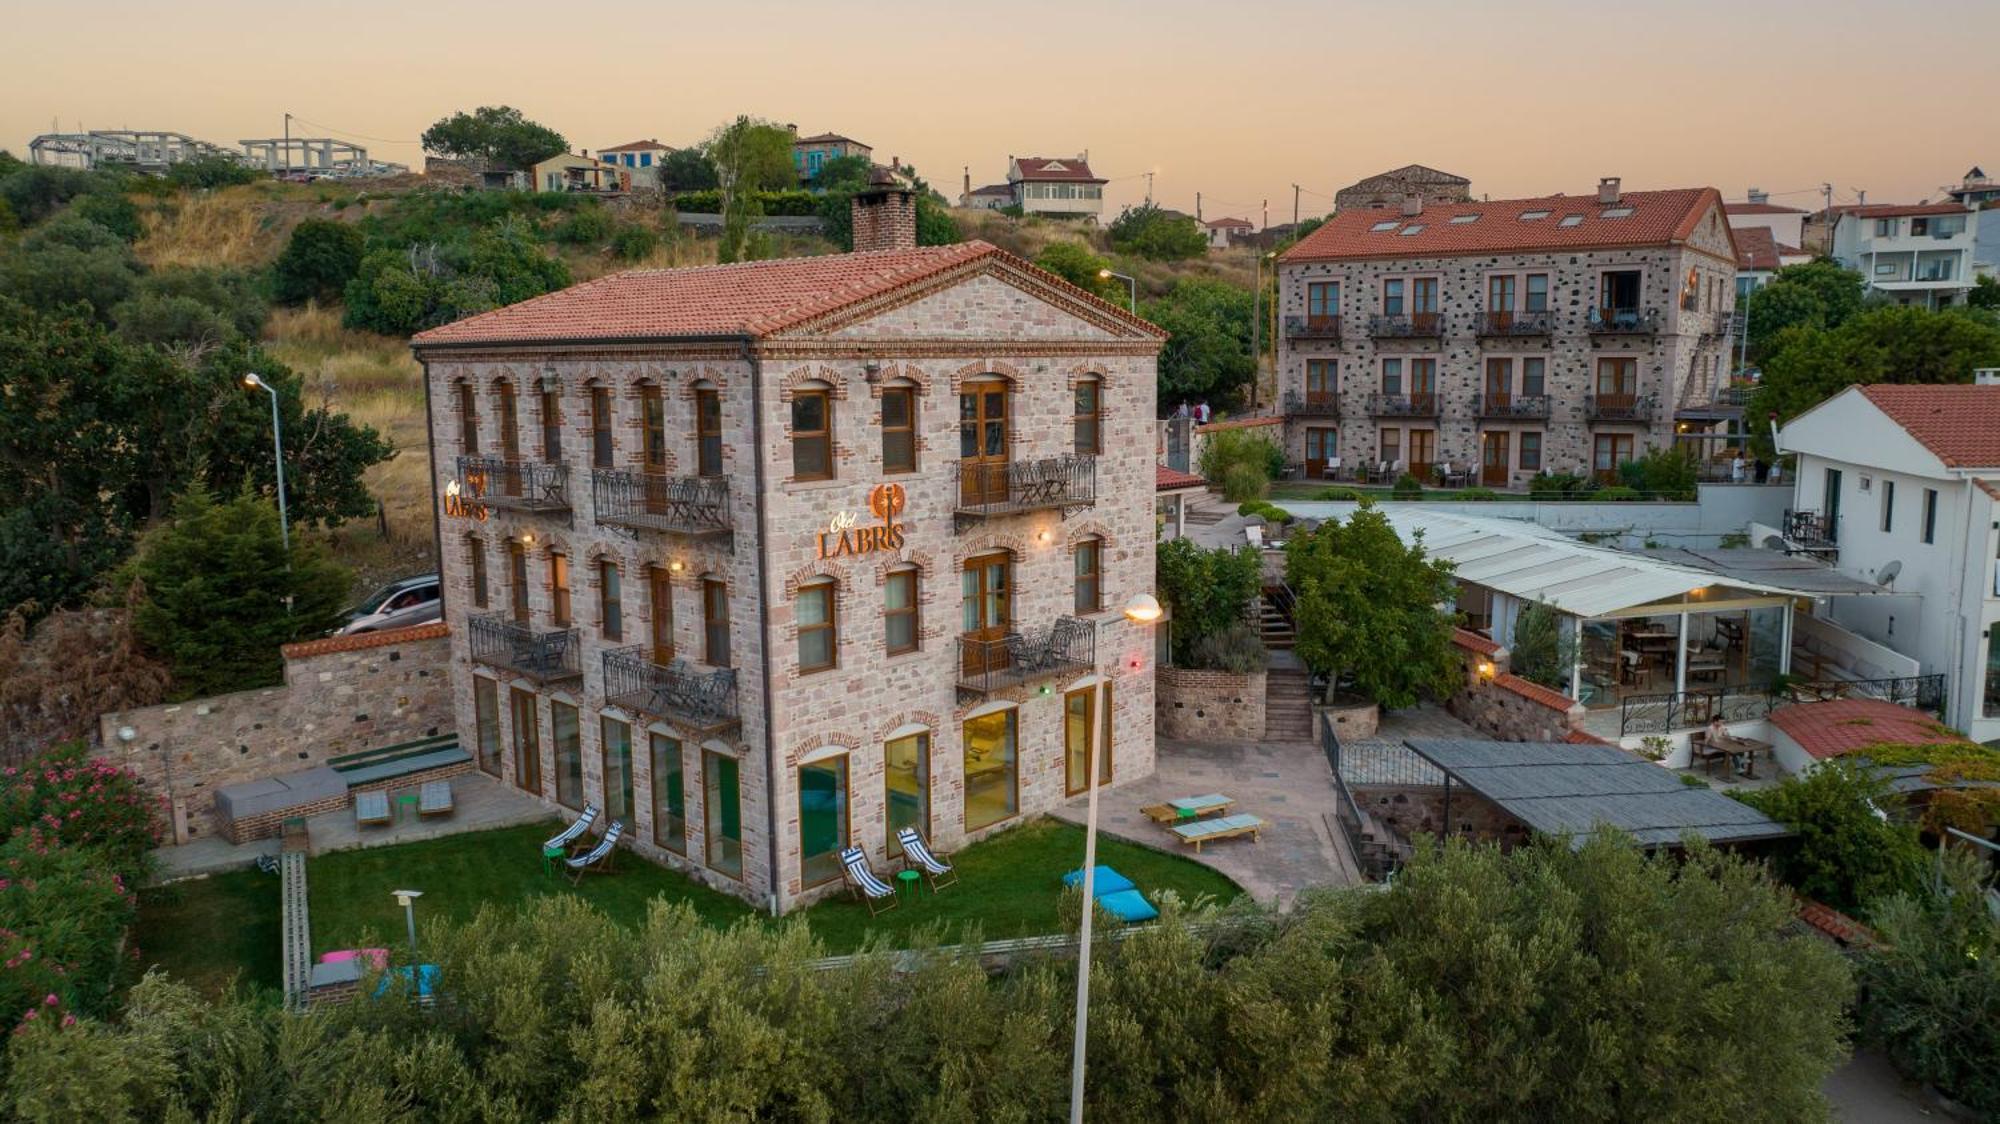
point(480, 803)
point(1287, 784)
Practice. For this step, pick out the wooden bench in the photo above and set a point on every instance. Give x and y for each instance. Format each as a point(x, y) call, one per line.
point(1228, 827)
point(434, 799)
point(1188, 808)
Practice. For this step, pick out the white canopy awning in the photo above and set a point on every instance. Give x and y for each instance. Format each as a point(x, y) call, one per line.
point(1531, 562)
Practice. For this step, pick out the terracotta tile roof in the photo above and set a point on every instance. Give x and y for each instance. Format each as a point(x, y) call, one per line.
point(1413, 175)
point(638, 146)
point(1835, 924)
point(1658, 218)
point(1756, 249)
point(362, 640)
point(1578, 737)
point(1900, 210)
point(1006, 189)
point(1990, 487)
point(1829, 729)
point(1069, 169)
point(1473, 642)
point(1534, 692)
point(1760, 209)
point(1785, 251)
point(746, 299)
point(1169, 479)
point(1233, 224)
point(1238, 423)
point(829, 138)
point(1960, 423)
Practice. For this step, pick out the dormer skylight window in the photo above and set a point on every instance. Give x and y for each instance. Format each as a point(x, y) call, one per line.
point(1571, 220)
point(1413, 228)
point(1382, 226)
point(1615, 213)
point(1463, 219)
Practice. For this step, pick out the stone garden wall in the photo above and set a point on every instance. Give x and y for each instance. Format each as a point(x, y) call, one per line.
point(340, 696)
point(1198, 705)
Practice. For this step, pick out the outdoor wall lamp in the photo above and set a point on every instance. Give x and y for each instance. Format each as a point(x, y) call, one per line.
point(1486, 669)
point(1143, 608)
point(1041, 536)
point(676, 566)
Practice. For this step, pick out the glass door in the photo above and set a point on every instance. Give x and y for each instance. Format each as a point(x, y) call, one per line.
point(982, 443)
point(1078, 734)
point(1321, 447)
point(985, 612)
point(1493, 459)
point(906, 769)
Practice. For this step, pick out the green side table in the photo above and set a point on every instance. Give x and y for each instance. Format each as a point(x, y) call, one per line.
point(550, 856)
point(907, 880)
point(406, 803)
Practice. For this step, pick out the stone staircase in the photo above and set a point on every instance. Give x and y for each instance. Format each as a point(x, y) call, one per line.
point(1288, 713)
point(1274, 625)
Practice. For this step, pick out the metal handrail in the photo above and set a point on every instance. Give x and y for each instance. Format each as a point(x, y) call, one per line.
point(1642, 320)
point(545, 656)
point(704, 699)
point(1004, 487)
point(1067, 647)
point(1403, 405)
point(1619, 407)
point(1510, 323)
point(1312, 404)
point(1406, 325)
point(692, 505)
point(1683, 710)
point(1510, 405)
point(1312, 327)
point(516, 484)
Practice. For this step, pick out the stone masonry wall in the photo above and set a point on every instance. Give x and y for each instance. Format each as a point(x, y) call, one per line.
point(340, 696)
point(1198, 705)
point(1684, 355)
point(1419, 809)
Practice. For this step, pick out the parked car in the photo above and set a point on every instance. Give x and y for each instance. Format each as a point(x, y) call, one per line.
point(399, 604)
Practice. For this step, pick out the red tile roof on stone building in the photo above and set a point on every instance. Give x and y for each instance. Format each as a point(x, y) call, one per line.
point(1829, 729)
point(1960, 423)
point(1232, 224)
point(734, 301)
point(1535, 692)
point(1473, 642)
point(1067, 169)
point(1657, 218)
point(637, 146)
point(363, 640)
point(1173, 479)
point(1756, 249)
point(1760, 209)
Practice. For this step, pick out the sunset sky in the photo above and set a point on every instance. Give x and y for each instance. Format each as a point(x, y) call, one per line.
point(1237, 101)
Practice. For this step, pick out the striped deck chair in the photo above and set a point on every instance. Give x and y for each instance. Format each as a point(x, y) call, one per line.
point(599, 857)
point(918, 856)
point(569, 835)
point(871, 891)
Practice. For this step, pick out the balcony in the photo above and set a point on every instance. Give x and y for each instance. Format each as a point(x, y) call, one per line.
point(516, 485)
point(1418, 325)
point(684, 505)
point(545, 657)
point(1312, 404)
point(1515, 324)
point(1618, 408)
point(1624, 321)
point(1402, 406)
point(991, 488)
point(988, 664)
point(1811, 533)
point(1511, 407)
point(703, 701)
point(1312, 327)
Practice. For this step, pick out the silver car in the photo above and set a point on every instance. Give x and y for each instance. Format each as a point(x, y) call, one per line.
point(399, 604)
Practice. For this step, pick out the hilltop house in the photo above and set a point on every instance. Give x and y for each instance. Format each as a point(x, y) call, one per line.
point(1914, 253)
point(809, 154)
point(1224, 233)
point(1056, 187)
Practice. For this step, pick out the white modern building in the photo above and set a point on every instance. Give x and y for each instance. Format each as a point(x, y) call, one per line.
point(1786, 224)
point(1900, 486)
point(1917, 253)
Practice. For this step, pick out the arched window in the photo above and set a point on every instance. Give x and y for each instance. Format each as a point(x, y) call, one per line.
point(652, 428)
point(899, 427)
point(812, 432)
point(600, 425)
point(708, 430)
point(510, 419)
point(550, 393)
point(468, 419)
point(475, 554)
point(1089, 420)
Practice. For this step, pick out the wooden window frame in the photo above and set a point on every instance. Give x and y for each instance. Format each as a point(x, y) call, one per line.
point(707, 429)
point(908, 428)
point(1521, 449)
point(1402, 286)
point(631, 785)
point(1389, 444)
point(485, 688)
point(802, 438)
point(1527, 291)
point(831, 625)
point(652, 429)
point(661, 837)
point(603, 442)
point(551, 418)
point(1013, 718)
point(660, 615)
point(714, 593)
point(1495, 281)
point(610, 599)
point(527, 738)
point(914, 610)
point(710, 833)
point(1436, 284)
point(1092, 546)
point(561, 612)
point(1540, 387)
point(1091, 419)
point(1382, 376)
point(509, 408)
point(475, 549)
point(556, 749)
point(468, 418)
point(520, 605)
point(1315, 299)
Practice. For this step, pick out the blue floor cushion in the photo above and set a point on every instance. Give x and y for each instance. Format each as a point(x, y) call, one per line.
point(1108, 881)
point(1128, 906)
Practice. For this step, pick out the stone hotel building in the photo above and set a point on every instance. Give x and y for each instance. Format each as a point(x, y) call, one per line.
point(1505, 338)
point(769, 559)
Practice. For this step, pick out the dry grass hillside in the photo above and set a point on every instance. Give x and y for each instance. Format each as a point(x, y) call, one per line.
point(1027, 237)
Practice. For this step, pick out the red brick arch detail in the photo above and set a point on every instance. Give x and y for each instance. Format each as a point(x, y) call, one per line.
point(810, 742)
point(917, 558)
point(1013, 696)
point(1006, 371)
point(930, 720)
point(1090, 530)
point(919, 379)
point(807, 373)
point(814, 570)
point(1088, 370)
point(717, 379)
point(1014, 545)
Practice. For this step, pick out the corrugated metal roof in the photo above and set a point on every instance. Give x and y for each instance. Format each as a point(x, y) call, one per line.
point(1560, 788)
point(1531, 562)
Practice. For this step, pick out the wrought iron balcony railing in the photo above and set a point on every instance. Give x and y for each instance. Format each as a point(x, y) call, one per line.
point(1628, 321)
point(1416, 325)
point(516, 485)
point(1312, 327)
point(988, 664)
point(1695, 707)
point(1505, 406)
point(1066, 482)
point(1516, 323)
point(1312, 404)
point(546, 657)
point(1618, 407)
point(1403, 405)
point(700, 700)
point(688, 505)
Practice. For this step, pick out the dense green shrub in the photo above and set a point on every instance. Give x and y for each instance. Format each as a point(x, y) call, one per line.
point(634, 243)
point(588, 225)
point(1151, 232)
point(190, 305)
point(1478, 495)
point(401, 292)
point(1240, 480)
point(1562, 486)
point(319, 259)
point(1543, 650)
point(1242, 461)
point(1205, 591)
point(33, 192)
point(213, 171)
point(1367, 610)
point(1236, 648)
point(1664, 473)
point(791, 204)
point(1843, 852)
point(1618, 493)
point(1407, 487)
point(112, 211)
point(1336, 495)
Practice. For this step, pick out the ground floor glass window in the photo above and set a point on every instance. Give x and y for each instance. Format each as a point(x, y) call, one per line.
point(527, 741)
point(669, 794)
point(722, 813)
point(486, 713)
point(568, 736)
point(822, 819)
point(992, 792)
point(906, 773)
point(617, 744)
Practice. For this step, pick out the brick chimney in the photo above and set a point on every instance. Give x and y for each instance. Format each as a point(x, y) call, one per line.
point(885, 215)
point(1607, 190)
point(1759, 195)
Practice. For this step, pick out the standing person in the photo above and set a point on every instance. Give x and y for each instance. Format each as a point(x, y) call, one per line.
point(1181, 411)
point(1201, 413)
point(1736, 468)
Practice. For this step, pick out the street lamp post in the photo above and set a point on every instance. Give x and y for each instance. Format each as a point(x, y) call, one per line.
point(1131, 287)
point(407, 899)
point(255, 382)
point(1142, 609)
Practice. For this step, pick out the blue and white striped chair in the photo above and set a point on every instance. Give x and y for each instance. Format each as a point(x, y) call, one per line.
point(918, 856)
point(563, 839)
point(862, 882)
point(599, 857)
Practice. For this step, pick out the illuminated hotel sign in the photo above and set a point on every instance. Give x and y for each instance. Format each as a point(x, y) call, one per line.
point(463, 504)
point(844, 535)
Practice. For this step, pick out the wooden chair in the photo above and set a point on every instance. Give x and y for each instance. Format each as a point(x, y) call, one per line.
point(918, 856)
point(1705, 753)
point(599, 857)
point(864, 884)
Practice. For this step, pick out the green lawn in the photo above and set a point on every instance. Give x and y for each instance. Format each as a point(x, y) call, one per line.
point(204, 931)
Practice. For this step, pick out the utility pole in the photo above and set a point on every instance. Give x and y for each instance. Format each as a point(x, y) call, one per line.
point(1197, 206)
point(1149, 189)
point(1295, 209)
point(288, 142)
point(1267, 215)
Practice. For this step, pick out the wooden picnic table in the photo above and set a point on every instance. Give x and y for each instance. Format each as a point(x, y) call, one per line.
point(1749, 748)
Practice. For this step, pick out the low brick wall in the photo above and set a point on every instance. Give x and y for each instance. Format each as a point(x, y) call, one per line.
point(267, 825)
point(340, 696)
point(1196, 705)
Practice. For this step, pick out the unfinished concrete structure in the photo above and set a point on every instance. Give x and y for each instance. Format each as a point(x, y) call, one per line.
point(145, 150)
point(316, 155)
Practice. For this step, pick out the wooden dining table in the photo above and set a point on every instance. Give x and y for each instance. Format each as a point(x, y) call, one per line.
point(1748, 747)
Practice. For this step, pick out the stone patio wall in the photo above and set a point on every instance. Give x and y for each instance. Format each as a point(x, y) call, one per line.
point(1505, 706)
point(1415, 810)
point(1199, 705)
point(341, 695)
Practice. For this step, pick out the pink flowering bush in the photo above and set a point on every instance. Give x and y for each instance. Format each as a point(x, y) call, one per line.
point(76, 801)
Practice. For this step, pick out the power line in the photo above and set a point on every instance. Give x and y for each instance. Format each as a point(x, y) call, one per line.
point(356, 136)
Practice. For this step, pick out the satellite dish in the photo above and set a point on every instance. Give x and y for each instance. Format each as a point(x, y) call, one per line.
point(1888, 572)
